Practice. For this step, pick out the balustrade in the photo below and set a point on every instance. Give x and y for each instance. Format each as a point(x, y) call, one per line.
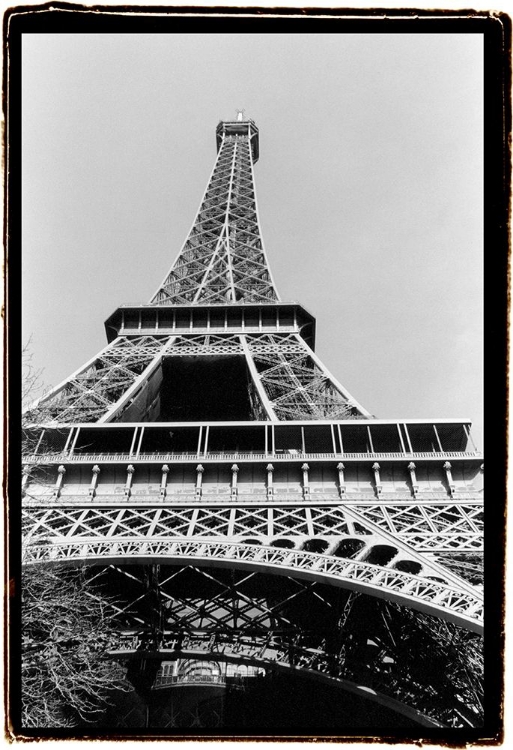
point(273, 648)
point(48, 458)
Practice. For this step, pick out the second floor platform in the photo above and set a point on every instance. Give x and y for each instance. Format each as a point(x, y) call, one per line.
point(350, 440)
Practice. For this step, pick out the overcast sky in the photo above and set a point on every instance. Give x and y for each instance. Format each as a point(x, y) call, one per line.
point(369, 188)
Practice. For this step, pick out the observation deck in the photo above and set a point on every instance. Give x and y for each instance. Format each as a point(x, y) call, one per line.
point(219, 318)
point(243, 128)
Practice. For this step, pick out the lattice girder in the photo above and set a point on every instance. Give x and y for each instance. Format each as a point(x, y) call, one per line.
point(223, 258)
point(456, 604)
point(286, 381)
point(296, 384)
point(430, 525)
point(269, 521)
point(89, 394)
point(250, 618)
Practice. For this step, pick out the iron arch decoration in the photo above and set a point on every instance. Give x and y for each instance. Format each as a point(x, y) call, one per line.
point(426, 595)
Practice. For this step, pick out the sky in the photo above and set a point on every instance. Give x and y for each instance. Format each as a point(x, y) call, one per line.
point(369, 188)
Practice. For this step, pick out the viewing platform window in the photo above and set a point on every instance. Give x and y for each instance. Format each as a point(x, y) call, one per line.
point(236, 439)
point(341, 440)
point(288, 438)
point(103, 441)
point(170, 440)
point(355, 438)
point(217, 318)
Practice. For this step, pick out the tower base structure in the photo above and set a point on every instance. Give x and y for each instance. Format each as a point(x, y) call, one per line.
point(255, 549)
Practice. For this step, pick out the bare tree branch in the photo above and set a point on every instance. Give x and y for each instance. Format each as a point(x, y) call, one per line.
point(67, 677)
point(66, 633)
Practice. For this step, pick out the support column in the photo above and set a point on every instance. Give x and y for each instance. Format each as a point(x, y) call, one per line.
point(309, 522)
point(438, 438)
point(333, 441)
point(134, 438)
point(371, 444)
point(235, 471)
point(341, 479)
point(163, 481)
point(339, 432)
point(66, 445)
point(129, 477)
point(266, 404)
point(199, 479)
point(450, 481)
point(270, 490)
point(470, 439)
point(60, 479)
point(41, 439)
point(407, 437)
point(231, 522)
point(138, 450)
point(270, 524)
point(24, 480)
point(413, 477)
point(94, 481)
point(306, 486)
point(375, 468)
point(401, 438)
point(75, 439)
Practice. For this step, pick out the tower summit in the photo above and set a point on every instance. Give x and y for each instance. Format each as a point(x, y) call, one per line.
point(246, 516)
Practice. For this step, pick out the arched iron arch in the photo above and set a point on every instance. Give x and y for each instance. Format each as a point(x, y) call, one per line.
point(442, 600)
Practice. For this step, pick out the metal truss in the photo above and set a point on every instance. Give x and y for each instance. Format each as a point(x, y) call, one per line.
point(223, 258)
point(467, 565)
point(286, 381)
point(450, 534)
point(414, 663)
point(90, 394)
point(430, 526)
point(296, 384)
point(287, 377)
point(418, 539)
point(179, 713)
point(446, 601)
point(205, 345)
point(264, 521)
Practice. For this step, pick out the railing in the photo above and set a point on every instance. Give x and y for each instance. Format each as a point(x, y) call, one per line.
point(280, 497)
point(189, 679)
point(268, 649)
point(64, 456)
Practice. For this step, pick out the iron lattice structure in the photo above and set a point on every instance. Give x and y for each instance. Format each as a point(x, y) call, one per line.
point(248, 514)
point(223, 258)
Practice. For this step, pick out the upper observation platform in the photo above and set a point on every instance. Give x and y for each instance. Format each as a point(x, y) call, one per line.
point(239, 127)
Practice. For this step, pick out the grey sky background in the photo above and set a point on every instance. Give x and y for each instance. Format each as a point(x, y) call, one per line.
point(369, 187)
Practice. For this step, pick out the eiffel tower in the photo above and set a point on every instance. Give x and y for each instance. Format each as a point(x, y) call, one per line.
point(262, 532)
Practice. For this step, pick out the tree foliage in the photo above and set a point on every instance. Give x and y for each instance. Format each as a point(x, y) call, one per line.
point(66, 674)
